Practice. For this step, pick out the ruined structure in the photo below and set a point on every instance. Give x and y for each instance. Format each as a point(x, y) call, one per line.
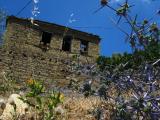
point(44, 50)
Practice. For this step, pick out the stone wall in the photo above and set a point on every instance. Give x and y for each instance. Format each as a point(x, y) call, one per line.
point(22, 58)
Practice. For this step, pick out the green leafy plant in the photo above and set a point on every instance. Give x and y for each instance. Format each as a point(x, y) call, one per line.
point(43, 101)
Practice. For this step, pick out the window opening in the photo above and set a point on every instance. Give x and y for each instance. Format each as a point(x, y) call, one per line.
point(84, 47)
point(66, 46)
point(45, 41)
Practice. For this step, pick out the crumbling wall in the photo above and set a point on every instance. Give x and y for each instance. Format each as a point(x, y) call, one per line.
point(23, 58)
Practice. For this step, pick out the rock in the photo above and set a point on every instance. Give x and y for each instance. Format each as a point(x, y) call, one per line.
point(8, 112)
point(59, 110)
point(74, 80)
point(14, 107)
point(2, 105)
point(68, 78)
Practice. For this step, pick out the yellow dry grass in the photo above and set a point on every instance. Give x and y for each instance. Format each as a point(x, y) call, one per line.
point(81, 108)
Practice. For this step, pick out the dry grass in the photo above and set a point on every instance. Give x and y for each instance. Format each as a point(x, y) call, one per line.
point(81, 108)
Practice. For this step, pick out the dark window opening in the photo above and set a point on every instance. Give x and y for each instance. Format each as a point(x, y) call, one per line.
point(46, 38)
point(84, 48)
point(45, 41)
point(66, 46)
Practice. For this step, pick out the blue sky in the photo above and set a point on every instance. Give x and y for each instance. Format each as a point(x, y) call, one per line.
point(59, 11)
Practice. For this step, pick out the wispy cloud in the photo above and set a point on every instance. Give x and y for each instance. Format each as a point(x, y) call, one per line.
point(116, 1)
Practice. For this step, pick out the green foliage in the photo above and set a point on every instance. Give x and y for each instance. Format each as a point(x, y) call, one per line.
point(149, 54)
point(112, 62)
point(36, 88)
point(53, 100)
point(45, 102)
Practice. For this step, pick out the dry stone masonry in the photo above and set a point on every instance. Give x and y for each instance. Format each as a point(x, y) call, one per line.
point(43, 50)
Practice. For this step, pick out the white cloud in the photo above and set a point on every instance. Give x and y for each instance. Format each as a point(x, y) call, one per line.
point(116, 1)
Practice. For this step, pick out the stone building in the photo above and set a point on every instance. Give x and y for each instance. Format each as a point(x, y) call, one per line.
point(43, 50)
